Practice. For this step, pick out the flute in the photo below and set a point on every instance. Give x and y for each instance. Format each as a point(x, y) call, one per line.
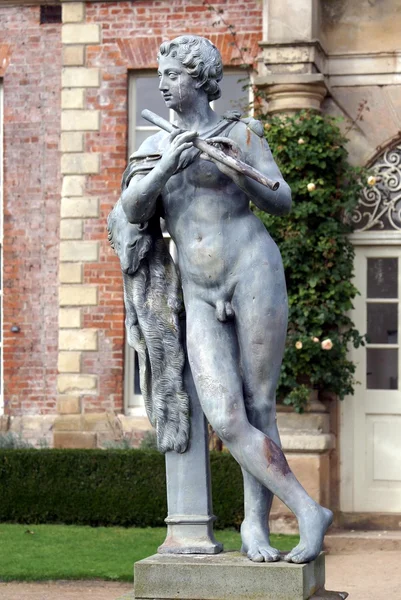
point(213, 152)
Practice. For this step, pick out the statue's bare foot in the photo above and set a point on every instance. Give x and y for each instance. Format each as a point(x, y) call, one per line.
point(313, 524)
point(256, 543)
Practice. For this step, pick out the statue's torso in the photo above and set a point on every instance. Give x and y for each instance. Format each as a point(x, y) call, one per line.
point(216, 234)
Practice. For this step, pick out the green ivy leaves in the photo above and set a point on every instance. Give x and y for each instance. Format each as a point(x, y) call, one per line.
point(317, 254)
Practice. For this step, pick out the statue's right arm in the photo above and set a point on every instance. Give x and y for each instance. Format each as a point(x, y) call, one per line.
point(140, 197)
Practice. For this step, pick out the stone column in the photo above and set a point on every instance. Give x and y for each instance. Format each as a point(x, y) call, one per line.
point(189, 495)
point(76, 207)
point(293, 61)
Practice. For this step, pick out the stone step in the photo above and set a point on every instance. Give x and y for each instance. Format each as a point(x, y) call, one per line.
point(348, 542)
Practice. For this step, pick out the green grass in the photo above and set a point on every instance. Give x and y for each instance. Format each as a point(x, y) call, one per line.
point(43, 552)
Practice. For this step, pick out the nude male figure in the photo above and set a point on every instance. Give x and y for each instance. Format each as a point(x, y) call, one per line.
point(233, 284)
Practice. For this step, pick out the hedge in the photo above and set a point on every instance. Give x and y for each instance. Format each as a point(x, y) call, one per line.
point(103, 487)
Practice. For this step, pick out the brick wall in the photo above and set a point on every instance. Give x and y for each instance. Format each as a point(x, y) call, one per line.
point(30, 59)
point(130, 33)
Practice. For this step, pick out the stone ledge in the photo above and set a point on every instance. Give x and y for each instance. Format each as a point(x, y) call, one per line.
point(307, 442)
point(290, 79)
point(225, 576)
point(74, 439)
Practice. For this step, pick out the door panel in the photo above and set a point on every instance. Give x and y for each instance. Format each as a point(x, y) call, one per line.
point(371, 456)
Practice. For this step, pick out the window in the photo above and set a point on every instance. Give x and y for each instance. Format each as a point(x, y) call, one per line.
point(50, 13)
point(143, 93)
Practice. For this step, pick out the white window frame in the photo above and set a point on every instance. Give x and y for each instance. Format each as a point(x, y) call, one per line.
point(133, 403)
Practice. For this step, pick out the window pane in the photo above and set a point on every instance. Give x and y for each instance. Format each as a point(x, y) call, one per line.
point(382, 323)
point(382, 369)
point(148, 96)
point(137, 387)
point(233, 96)
point(382, 278)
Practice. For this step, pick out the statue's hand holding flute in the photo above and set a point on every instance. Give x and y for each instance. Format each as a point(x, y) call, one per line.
point(183, 140)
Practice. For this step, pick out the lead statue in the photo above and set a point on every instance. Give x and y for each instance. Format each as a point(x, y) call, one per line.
point(233, 288)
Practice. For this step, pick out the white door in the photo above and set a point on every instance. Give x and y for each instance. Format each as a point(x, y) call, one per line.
point(371, 419)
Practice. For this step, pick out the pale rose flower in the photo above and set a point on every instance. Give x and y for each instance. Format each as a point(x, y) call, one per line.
point(327, 344)
point(301, 141)
point(298, 345)
point(315, 339)
point(311, 187)
point(371, 180)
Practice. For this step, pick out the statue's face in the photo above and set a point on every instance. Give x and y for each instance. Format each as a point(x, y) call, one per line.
point(177, 87)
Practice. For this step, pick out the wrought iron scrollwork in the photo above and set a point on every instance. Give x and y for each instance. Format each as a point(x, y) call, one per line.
point(379, 207)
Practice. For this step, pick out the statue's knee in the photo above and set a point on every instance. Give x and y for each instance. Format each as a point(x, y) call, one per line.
point(227, 428)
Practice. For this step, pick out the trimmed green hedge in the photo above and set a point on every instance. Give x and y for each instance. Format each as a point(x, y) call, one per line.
point(103, 487)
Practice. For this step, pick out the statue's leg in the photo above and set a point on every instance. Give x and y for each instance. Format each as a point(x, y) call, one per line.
point(213, 353)
point(261, 351)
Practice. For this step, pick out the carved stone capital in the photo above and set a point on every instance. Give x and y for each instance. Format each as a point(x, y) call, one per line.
point(290, 97)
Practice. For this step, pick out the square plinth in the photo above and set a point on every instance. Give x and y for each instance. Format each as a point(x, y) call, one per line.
point(226, 576)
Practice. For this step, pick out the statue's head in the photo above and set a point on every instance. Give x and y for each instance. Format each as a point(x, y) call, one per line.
point(200, 58)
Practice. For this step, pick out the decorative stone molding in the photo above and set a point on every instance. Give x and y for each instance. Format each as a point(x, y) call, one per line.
point(305, 57)
point(292, 76)
point(379, 207)
point(290, 97)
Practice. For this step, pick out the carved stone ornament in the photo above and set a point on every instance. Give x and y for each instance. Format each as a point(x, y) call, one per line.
point(379, 208)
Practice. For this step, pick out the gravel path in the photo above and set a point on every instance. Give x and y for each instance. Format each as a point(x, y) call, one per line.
point(365, 576)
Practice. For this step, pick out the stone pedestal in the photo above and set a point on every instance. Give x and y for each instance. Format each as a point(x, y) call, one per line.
point(228, 576)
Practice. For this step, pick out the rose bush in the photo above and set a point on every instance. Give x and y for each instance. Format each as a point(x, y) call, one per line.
point(317, 254)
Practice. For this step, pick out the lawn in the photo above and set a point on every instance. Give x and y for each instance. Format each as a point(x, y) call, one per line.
point(40, 552)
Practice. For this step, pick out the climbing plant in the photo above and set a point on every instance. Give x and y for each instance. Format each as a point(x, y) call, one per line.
point(317, 254)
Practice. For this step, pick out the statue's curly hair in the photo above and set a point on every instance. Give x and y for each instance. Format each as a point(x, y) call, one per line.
point(201, 59)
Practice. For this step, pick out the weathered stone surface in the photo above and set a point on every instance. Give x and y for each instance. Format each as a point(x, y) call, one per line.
point(307, 442)
point(310, 422)
point(79, 120)
point(69, 317)
point(68, 405)
point(73, 185)
point(73, 56)
point(82, 33)
point(72, 141)
point(69, 362)
point(98, 421)
point(78, 295)
point(226, 576)
point(81, 339)
point(73, 12)
point(87, 250)
point(67, 383)
point(68, 422)
point(74, 439)
point(72, 99)
point(79, 207)
point(70, 273)
point(80, 162)
point(71, 229)
point(35, 429)
point(80, 77)
point(289, 21)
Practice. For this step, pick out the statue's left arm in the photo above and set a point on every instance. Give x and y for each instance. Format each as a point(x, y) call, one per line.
point(256, 152)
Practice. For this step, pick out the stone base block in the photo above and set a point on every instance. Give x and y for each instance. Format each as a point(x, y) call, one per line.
point(226, 576)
